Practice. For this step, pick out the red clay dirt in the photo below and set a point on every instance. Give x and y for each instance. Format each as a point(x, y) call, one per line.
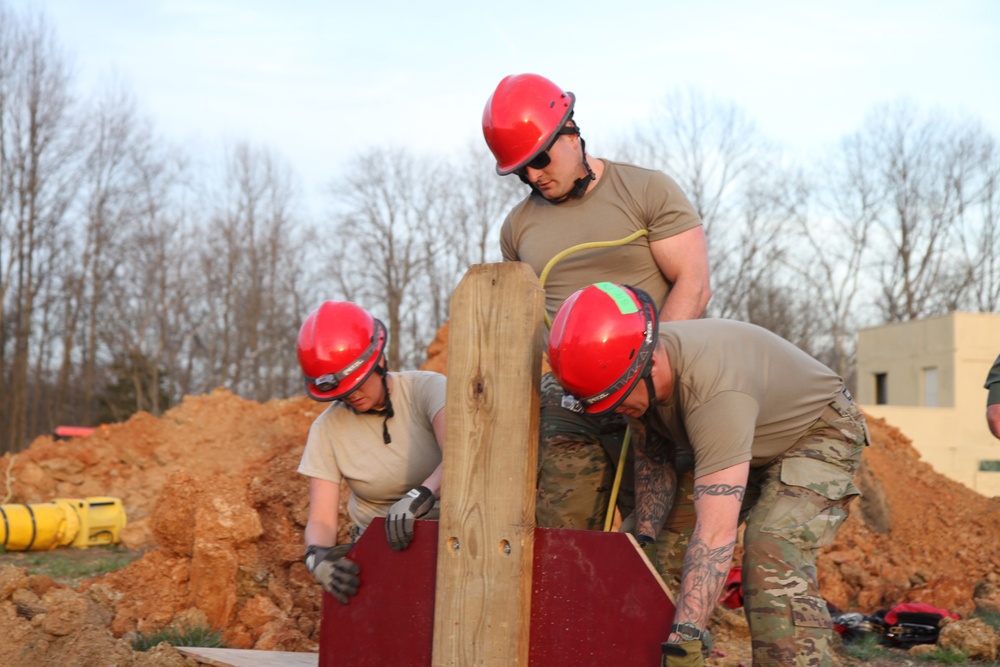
point(211, 490)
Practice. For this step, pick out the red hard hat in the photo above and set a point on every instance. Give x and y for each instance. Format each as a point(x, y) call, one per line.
point(522, 116)
point(601, 344)
point(340, 344)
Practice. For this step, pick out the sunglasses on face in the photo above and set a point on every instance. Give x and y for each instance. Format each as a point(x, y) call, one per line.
point(543, 159)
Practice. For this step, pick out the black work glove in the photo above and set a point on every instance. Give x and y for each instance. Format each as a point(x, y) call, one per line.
point(682, 654)
point(333, 570)
point(399, 521)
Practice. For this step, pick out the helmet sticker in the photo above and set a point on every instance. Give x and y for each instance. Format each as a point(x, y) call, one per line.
point(626, 305)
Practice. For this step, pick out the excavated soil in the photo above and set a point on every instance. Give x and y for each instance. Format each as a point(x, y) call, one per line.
point(214, 501)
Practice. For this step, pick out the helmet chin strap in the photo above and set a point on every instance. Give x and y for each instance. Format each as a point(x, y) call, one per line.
point(387, 409)
point(580, 185)
point(651, 390)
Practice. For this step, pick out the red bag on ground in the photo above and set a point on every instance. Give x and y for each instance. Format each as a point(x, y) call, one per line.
point(892, 616)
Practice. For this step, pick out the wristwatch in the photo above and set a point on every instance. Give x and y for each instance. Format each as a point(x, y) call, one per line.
point(686, 631)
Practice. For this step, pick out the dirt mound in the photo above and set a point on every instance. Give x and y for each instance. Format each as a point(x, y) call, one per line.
point(915, 536)
point(211, 488)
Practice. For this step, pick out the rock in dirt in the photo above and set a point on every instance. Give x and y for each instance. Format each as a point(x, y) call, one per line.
point(972, 637)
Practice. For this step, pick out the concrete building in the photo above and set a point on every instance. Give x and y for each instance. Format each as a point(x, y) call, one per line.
point(926, 378)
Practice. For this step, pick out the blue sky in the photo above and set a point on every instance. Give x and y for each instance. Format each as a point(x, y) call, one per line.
point(318, 81)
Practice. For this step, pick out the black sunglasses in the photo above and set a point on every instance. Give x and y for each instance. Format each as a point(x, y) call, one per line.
point(542, 160)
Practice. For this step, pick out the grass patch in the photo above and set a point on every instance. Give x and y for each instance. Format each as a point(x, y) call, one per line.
point(990, 618)
point(71, 566)
point(867, 647)
point(947, 656)
point(195, 636)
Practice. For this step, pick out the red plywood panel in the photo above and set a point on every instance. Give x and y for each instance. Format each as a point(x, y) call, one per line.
point(391, 619)
point(594, 601)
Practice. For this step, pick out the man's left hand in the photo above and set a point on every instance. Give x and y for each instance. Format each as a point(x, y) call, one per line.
point(399, 520)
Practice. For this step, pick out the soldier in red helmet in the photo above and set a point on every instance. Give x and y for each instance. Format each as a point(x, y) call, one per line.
point(577, 199)
point(776, 441)
point(382, 434)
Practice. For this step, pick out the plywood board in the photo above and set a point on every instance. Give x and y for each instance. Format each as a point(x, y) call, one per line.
point(595, 601)
point(231, 657)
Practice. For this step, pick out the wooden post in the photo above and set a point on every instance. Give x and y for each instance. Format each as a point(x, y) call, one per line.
point(482, 608)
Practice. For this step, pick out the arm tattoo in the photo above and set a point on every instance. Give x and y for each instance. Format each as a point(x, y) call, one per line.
point(655, 486)
point(705, 571)
point(705, 565)
point(719, 490)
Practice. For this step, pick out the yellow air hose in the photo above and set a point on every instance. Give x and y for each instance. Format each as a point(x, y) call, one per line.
point(548, 323)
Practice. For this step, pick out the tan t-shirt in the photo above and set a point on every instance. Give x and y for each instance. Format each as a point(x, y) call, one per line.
point(343, 444)
point(741, 393)
point(626, 199)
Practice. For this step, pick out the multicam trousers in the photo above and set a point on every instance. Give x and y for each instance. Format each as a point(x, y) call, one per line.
point(793, 507)
point(577, 456)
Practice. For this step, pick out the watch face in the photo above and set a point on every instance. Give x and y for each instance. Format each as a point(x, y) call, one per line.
point(687, 631)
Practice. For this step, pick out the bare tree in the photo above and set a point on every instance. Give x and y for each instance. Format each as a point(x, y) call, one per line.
point(920, 165)
point(146, 296)
point(249, 261)
point(980, 229)
point(109, 194)
point(36, 147)
point(467, 232)
point(745, 196)
point(378, 242)
point(833, 241)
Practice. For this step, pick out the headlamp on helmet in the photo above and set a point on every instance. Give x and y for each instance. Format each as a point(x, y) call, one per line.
point(339, 346)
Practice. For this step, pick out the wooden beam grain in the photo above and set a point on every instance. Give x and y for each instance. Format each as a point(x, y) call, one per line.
point(486, 533)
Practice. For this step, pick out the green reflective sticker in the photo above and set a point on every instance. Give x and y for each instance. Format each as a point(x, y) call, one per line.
point(626, 305)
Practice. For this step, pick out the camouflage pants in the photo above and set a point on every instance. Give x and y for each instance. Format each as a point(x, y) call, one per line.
point(792, 508)
point(577, 459)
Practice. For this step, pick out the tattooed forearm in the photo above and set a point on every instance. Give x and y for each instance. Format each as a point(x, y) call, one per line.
point(655, 480)
point(705, 571)
point(719, 490)
point(655, 486)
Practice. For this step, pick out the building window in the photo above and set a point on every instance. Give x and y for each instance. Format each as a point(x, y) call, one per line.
point(989, 466)
point(930, 381)
point(881, 389)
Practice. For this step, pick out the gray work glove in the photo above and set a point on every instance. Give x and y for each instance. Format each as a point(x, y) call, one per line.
point(399, 521)
point(333, 570)
point(682, 654)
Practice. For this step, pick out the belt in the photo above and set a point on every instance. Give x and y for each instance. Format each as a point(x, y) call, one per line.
point(842, 402)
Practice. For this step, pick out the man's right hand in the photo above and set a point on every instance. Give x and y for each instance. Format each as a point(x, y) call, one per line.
point(683, 654)
point(333, 570)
